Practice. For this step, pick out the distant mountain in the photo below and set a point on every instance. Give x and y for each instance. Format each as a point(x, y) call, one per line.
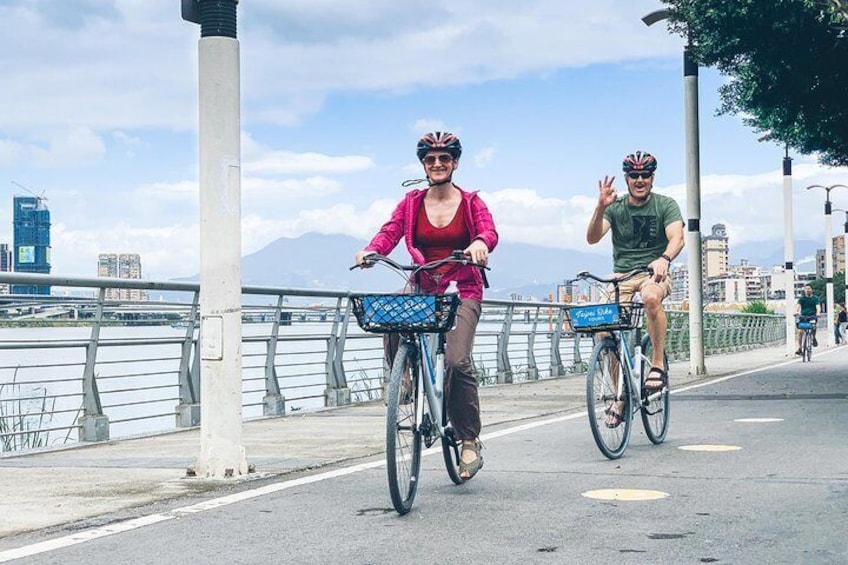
point(322, 261)
point(318, 261)
point(769, 253)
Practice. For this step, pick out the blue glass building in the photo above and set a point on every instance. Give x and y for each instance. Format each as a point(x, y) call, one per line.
point(31, 241)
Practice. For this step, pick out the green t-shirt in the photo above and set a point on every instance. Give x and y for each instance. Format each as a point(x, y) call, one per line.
point(808, 304)
point(638, 232)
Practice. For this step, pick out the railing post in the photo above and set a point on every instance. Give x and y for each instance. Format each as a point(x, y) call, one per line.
point(94, 425)
point(532, 369)
point(188, 410)
point(557, 368)
point(337, 392)
point(273, 404)
point(503, 366)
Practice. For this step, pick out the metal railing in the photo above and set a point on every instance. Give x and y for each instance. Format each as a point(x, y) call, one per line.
point(86, 368)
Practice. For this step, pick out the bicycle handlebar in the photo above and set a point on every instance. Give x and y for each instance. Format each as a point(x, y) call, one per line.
point(456, 256)
point(616, 280)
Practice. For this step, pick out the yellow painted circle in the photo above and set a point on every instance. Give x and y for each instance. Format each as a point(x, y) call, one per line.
point(624, 494)
point(757, 420)
point(710, 447)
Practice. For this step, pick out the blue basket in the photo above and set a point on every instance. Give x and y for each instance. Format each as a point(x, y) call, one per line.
point(396, 313)
point(605, 317)
point(806, 325)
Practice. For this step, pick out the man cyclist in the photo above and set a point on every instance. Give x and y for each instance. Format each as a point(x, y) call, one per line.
point(647, 230)
point(807, 310)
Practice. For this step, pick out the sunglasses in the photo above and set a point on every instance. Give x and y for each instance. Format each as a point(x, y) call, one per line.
point(639, 175)
point(443, 159)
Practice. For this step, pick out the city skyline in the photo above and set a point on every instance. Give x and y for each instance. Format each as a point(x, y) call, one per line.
point(103, 120)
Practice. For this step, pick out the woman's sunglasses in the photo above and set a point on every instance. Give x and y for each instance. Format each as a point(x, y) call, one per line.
point(443, 159)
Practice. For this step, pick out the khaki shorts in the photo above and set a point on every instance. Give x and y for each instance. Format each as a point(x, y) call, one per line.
point(627, 289)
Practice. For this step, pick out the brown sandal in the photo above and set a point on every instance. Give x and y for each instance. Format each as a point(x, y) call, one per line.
point(476, 464)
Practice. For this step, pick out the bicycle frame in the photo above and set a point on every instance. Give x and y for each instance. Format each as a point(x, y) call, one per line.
point(432, 377)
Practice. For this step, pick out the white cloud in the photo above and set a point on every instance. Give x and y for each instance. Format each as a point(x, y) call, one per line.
point(484, 156)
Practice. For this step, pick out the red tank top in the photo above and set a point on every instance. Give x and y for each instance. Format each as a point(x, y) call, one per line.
point(437, 243)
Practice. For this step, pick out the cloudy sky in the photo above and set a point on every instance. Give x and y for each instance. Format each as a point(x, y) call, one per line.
point(99, 115)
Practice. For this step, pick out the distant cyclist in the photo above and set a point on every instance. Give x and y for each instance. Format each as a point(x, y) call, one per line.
point(808, 309)
point(434, 222)
point(647, 230)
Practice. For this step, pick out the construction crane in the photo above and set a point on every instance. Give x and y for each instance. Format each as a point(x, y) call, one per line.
point(39, 196)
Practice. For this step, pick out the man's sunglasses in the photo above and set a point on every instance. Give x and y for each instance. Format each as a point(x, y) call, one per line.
point(639, 175)
point(443, 159)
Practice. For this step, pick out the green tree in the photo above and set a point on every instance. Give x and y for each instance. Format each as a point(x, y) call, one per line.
point(820, 289)
point(787, 61)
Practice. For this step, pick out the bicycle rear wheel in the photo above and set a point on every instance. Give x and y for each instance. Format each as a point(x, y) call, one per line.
point(655, 412)
point(451, 447)
point(403, 438)
point(603, 398)
point(807, 346)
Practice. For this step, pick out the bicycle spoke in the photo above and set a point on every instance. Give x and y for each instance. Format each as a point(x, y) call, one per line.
point(655, 407)
point(403, 440)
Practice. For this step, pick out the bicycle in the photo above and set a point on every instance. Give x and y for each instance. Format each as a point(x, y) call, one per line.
point(806, 324)
point(609, 380)
point(416, 403)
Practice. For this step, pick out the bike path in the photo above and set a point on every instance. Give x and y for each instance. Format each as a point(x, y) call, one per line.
point(778, 497)
point(68, 489)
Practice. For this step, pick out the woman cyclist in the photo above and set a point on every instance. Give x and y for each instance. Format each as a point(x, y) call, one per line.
point(434, 222)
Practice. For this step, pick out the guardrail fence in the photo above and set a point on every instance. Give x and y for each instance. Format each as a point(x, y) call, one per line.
point(82, 367)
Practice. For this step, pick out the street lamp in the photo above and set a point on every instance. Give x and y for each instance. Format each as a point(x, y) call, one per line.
point(693, 201)
point(844, 255)
point(788, 255)
point(221, 453)
point(828, 257)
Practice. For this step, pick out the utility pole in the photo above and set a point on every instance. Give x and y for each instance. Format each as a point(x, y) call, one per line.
point(221, 452)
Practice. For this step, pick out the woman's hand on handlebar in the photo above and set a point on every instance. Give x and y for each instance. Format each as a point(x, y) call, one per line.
point(477, 252)
point(361, 259)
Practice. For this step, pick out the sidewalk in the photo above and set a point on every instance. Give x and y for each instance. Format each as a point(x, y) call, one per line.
point(70, 485)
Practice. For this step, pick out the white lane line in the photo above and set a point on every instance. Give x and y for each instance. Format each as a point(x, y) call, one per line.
point(135, 523)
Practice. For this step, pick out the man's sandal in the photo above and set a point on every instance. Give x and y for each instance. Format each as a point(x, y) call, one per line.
point(468, 470)
point(656, 384)
point(614, 417)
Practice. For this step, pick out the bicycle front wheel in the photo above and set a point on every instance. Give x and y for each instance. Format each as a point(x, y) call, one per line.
point(655, 412)
point(608, 399)
point(403, 438)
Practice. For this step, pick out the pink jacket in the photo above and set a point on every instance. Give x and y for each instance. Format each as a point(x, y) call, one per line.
point(480, 225)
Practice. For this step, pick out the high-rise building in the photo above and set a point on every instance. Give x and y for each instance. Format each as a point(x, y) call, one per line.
point(31, 241)
point(715, 249)
point(121, 266)
point(6, 264)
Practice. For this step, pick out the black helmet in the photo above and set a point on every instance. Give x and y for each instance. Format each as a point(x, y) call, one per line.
point(439, 141)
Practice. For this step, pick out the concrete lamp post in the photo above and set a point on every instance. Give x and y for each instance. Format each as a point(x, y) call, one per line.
point(221, 452)
point(844, 254)
point(693, 202)
point(828, 257)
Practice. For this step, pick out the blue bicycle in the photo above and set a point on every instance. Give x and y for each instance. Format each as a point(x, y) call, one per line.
point(615, 382)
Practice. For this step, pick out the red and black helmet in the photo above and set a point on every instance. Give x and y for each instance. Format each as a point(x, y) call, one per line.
point(439, 141)
point(639, 161)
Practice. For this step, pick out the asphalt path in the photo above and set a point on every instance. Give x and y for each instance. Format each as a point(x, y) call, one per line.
point(773, 490)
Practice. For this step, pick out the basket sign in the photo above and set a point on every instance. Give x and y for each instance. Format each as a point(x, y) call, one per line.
point(594, 315)
point(806, 325)
point(409, 309)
